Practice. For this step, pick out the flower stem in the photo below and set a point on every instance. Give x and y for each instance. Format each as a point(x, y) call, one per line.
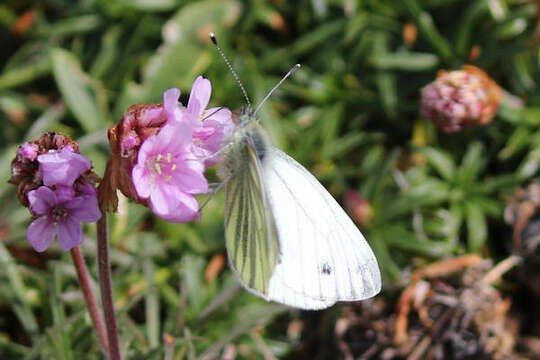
point(105, 284)
point(84, 281)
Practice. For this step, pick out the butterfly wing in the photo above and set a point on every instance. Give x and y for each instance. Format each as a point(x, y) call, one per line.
point(323, 256)
point(251, 240)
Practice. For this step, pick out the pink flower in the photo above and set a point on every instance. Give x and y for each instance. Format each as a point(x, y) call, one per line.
point(62, 167)
point(159, 153)
point(167, 173)
point(60, 215)
point(211, 126)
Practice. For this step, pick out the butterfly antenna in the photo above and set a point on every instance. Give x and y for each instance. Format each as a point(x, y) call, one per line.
point(228, 63)
point(293, 69)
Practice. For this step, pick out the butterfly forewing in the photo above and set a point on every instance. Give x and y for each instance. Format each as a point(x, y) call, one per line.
point(251, 240)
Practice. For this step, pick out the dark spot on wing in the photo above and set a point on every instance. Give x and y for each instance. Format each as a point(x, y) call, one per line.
point(326, 269)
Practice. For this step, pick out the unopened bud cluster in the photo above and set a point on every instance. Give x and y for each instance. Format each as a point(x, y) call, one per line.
point(460, 98)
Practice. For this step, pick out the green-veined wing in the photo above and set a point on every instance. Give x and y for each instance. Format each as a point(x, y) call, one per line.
point(251, 240)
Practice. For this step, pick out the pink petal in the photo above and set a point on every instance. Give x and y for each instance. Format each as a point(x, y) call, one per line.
point(190, 178)
point(86, 189)
point(64, 193)
point(163, 199)
point(220, 117)
point(62, 167)
point(69, 233)
point(149, 148)
point(83, 208)
point(199, 96)
point(41, 233)
point(174, 138)
point(170, 102)
point(191, 119)
point(204, 133)
point(141, 180)
point(41, 200)
point(186, 210)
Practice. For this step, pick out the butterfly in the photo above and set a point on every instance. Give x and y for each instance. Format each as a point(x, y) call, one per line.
point(287, 238)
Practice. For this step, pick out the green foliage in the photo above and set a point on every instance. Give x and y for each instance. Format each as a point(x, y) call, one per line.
point(350, 114)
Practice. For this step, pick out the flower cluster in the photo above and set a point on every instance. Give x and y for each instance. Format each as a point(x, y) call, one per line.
point(460, 98)
point(159, 153)
point(58, 186)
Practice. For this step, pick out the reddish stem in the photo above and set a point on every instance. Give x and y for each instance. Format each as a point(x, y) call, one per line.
point(105, 284)
point(91, 304)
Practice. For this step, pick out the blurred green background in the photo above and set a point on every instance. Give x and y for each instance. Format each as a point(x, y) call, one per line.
point(350, 115)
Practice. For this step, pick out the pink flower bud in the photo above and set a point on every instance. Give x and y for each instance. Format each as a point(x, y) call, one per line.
point(460, 98)
point(51, 160)
point(28, 152)
point(358, 207)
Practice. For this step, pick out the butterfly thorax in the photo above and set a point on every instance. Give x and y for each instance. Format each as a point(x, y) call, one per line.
point(248, 137)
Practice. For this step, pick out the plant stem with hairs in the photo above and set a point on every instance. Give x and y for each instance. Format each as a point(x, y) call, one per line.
point(84, 281)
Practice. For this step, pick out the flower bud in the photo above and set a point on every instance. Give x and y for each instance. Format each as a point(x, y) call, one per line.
point(138, 123)
point(49, 161)
point(460, 98)
point(359, 208)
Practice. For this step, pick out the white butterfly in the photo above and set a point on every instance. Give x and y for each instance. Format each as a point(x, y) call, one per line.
point(287, 239)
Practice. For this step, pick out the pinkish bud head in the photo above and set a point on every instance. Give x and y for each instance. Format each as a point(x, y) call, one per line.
point(460, 98)
point(358, 207)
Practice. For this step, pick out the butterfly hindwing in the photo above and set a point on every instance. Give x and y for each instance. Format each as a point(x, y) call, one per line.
point(251, 239)
point(323, 256)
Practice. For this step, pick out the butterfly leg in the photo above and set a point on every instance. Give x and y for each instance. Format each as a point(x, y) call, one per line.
point(214, 188)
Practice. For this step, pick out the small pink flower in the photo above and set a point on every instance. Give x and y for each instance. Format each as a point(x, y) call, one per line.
point(211, 126)
point(60, 215)
point(167, 173)
point(62, 167)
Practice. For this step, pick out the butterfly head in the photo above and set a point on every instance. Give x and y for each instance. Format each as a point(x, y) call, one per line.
point(246, 116)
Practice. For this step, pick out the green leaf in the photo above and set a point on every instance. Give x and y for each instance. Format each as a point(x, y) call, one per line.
point(247, 318)
point(471, 15)
point(429, 192)
point(147, 5)
point(186, 50)
point(25, 74)
point(20, 304)
point(516, 142)
point(476, 226)
point(473, 162)
point(428, 28)
point(441, 161)
point(6, 156)
point(398, 237)
point(76, 90)
point(62, 337)
point(407, 61)
point(151, 305)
